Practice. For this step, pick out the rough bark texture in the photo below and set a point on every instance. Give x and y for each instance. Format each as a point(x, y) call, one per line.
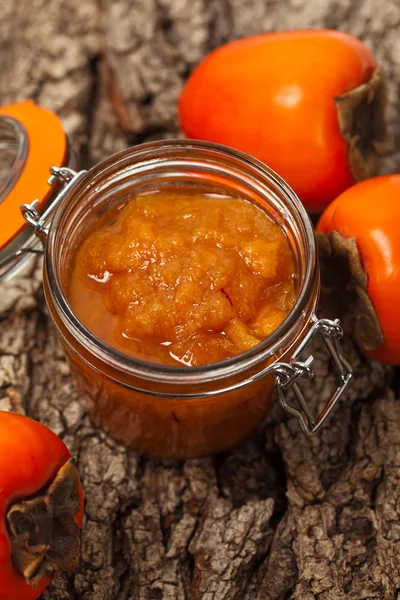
point(280, 517)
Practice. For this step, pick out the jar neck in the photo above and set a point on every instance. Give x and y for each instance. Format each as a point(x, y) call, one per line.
point(190, 163)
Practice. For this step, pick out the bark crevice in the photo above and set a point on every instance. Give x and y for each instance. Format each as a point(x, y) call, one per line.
point(281, 516)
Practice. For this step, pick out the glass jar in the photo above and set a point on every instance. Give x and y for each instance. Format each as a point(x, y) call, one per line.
point(170, 411)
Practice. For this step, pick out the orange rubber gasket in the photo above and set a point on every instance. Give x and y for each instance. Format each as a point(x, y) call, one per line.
point(47, 148)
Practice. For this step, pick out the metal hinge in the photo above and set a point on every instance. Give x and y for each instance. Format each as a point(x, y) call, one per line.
point(288, 374)
point(38, 221)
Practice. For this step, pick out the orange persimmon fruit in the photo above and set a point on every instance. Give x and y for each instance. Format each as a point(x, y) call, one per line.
point(308, 103)
point(41, 507)
point(361, 230)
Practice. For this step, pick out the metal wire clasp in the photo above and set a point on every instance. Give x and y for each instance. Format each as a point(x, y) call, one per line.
point(287, 375)
point(38, 221)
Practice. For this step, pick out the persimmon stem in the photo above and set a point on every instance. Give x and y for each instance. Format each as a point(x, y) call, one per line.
point(43, 532)
point(361, 117)
point(344, 287)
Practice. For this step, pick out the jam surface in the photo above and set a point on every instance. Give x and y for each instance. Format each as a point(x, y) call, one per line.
point(181, 277)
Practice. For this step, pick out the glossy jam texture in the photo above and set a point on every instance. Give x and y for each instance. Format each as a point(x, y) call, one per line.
point(183, 277)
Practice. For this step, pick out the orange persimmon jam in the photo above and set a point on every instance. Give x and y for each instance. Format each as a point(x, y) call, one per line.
point(183, 277)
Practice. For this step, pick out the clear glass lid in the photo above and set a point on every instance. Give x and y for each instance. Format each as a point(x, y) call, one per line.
point(32, 140)
point(13, 153)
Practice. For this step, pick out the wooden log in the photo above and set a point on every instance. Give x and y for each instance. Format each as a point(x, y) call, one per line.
point(281, 516)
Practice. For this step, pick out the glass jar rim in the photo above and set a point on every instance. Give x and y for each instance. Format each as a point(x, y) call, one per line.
point(123, 163)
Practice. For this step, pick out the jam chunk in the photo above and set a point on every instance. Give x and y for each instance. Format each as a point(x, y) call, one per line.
point(182, 277)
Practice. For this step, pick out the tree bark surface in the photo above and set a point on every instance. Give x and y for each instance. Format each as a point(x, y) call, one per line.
point(280, 517)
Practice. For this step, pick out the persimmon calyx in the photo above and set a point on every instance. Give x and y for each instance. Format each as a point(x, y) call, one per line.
point(43, 532)
point(344, 283)
point(361, 117)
